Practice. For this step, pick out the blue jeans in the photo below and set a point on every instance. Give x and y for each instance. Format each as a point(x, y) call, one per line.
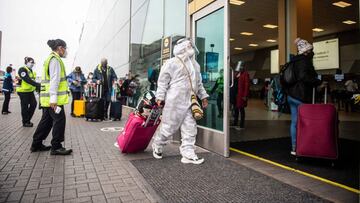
point(294, 104)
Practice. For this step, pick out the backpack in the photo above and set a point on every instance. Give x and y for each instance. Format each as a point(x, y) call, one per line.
point(287, 74)
point(278, 92)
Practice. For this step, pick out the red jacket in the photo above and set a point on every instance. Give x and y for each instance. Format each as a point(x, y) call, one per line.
point(243, 89)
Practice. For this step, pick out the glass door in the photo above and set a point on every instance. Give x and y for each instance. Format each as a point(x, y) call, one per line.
point(209, 30)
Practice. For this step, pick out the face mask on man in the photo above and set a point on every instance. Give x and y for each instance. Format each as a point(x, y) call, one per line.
point(29, 65)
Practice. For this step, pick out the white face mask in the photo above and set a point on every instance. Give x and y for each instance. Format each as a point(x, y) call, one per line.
point(65, 54)
point(91, 77)
point(30, 65)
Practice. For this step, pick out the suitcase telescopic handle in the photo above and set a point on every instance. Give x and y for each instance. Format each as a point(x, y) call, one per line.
point(325, 96)
point(159, 111)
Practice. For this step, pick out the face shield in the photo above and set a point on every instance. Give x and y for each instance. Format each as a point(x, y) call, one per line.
point(186, 44)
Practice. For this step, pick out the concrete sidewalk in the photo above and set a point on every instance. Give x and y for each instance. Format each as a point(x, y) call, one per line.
point(96, 171)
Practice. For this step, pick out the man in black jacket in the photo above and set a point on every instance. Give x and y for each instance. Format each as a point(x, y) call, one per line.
point(306, 79)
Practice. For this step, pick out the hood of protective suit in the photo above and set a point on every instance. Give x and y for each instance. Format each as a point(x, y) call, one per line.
point(184, 50)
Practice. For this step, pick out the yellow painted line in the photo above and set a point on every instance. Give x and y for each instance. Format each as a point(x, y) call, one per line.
point(357, 191)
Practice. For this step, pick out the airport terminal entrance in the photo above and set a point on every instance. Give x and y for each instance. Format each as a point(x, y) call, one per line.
point(259, 38)
point(260, 41)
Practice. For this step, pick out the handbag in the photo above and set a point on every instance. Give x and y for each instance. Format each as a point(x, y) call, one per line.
point(196, 109)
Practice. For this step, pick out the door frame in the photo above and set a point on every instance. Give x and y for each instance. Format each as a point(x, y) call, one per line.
point(211, 139)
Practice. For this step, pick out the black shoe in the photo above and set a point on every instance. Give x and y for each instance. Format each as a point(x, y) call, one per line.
point(28, 125)
point(61, 151)
point(4, 113)
point(8, 111)
point(72, 115)
point(41, 148)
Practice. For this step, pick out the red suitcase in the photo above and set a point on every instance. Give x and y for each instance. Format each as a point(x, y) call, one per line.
point(138, 132)
point(317, 130)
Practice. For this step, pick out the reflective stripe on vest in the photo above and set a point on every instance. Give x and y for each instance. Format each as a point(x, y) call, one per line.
point(63, 89)
point(26, 87)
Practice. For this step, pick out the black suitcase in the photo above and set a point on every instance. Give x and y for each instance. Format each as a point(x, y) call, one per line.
point(94, 106)
point(116, 110)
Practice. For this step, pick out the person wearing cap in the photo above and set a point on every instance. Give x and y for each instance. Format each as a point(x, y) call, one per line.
point(306, 79)
point(105, 75)
point(53, 96)
point(77, 80)
point(25, 89)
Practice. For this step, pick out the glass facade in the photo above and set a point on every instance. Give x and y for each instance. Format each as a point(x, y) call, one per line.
point(151, 21)
point(210, 42)
point(105, 34)
point(128, 33)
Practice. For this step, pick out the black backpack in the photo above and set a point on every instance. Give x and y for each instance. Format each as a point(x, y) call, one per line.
point(287, 74)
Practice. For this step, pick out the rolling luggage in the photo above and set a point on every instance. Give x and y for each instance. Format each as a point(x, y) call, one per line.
point(138, 132)
point(116, 110)
point(94, 106)
point(317, 130)
point(79, 108)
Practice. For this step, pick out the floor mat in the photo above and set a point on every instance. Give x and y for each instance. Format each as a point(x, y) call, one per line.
point(216, 180)
point(346, 170)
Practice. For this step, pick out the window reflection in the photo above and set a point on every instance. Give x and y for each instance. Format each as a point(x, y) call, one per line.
point(151, 21)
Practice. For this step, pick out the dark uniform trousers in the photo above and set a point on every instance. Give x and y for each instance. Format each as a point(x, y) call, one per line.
point(28, 105)
point(50, 120)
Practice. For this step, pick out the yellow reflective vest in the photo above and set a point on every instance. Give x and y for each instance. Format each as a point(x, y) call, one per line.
point(63, 89)
point(26, 87)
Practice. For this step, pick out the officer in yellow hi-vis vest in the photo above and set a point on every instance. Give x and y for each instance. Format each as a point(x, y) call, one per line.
point(25, 89)
point(53, 96)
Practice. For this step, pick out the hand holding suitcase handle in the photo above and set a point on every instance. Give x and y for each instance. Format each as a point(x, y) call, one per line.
point(154, 110)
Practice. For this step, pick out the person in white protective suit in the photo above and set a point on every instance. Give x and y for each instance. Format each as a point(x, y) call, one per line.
point(174, 92)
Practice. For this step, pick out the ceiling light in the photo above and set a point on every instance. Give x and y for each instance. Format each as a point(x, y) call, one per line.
point(253, 45)
point(238, 48)
point(237, 2)
point(349, 22)
point(232, 39)
point(247, 33)
point(270, 26)
point(341, 4)
point(318, 30)
point(271, 40)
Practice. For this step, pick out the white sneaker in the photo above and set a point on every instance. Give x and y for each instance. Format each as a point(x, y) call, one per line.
point(196, 160)
point(157, 153)
point(293, 153)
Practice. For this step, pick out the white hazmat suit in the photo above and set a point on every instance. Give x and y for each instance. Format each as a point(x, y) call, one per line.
point(174, 88)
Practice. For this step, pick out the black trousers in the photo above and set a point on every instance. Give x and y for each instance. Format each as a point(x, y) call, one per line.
point(28, 105)
point(242, 116)
point(50, 120)
point(5, 107)
point(107, 104)
point(75, 96)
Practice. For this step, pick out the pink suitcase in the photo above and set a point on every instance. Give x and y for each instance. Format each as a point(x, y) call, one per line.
point(138, 132)
point(317, 130)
